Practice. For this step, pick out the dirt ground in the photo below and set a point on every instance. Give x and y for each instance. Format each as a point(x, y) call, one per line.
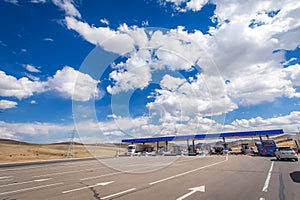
point(20, 152)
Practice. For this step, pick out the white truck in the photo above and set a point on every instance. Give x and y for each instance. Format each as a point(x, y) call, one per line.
point(139, 148)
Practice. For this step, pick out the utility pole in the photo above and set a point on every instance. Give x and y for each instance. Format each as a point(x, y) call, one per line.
point(70, 151)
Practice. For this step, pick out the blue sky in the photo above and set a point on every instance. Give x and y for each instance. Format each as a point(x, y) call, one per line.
point(118, 69)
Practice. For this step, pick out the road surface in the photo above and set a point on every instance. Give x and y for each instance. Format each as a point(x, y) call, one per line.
point(209, 177)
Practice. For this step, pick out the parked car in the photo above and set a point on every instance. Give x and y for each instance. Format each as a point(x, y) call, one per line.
point(285, 153)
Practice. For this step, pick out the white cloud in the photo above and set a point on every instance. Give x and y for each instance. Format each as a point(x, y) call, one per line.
point(288, 123)
point(15, 2)
point(244, 46)
point(48, 131)
point(20, 88)
point(185, 5)
point(195, 5)
point(110, 40)
point(49, 39)
point(137, 74)
point(145, 23)
point(95, 35)
point(104, 21)
point(186, 99)
point(31, 68)
point(38, 1)
point(244, 54)
point(68, 83)
point(32, 102)
point(6, 104)
point(68, 7)
point(71, 83)
point(3, 44)
point(30, 76)
point(293, 74)
point(123, 127)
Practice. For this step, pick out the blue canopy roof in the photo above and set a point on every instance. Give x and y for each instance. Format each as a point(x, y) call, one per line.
point(204, 136)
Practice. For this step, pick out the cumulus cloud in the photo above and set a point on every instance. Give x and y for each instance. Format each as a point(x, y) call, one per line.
point(195, 5)
point(20, 130)
point(101, 35)
point(240, 59)
point(20, 88)
point(137, 74)
point(185, 5)
point(248, 46)
point(293, 74)
point(6, 104)
point(287, 122)
point(190, 98)
point(68, 7)
point(68, 83)
point(71, 83)
point(246, 54)
point(123, 127)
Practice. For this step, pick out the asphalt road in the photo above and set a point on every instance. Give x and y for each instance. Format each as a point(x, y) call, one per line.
point(210, 177)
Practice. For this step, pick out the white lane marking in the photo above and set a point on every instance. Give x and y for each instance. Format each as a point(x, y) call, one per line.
point(20, 183)
point(126, 171)
point(5, 180)
point(32, 188)
point(116, 173)
point(19, 168)
point(67, 172)
point(5, 177)
point(187, 160)
point(94, 177)
point(193, 190)
point(43, 165)
point(119, 193)
point(184, 173)
point(265, 188)
point(261, 198)
point(90, 186)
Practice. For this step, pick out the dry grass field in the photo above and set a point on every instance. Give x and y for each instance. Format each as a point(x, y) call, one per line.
point(14, 151)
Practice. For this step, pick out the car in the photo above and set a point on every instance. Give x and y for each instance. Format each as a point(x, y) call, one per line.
point(287, 153)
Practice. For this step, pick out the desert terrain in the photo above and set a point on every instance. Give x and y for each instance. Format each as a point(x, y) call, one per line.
point(15, 151)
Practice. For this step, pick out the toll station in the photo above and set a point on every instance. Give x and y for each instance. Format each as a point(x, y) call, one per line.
point(203, 136)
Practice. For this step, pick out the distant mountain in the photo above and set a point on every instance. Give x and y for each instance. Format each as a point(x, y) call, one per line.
point(9, 141)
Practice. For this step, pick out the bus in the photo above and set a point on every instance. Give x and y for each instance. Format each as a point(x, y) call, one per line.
point(266, 147)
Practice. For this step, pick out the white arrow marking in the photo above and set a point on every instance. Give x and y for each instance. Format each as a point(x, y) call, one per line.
point(195, 189)
point(90, 186)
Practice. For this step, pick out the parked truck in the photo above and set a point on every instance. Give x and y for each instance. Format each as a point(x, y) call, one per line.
point(266, 147)
point(139, 148)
